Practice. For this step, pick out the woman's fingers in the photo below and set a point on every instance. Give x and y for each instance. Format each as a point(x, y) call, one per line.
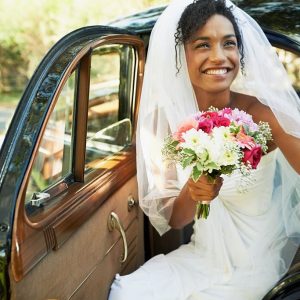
point(204, 189)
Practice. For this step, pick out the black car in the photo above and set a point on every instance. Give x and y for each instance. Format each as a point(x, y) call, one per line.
point(69, 216)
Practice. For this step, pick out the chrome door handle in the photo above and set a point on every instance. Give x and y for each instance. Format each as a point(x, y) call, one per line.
point(115, 223)
point(39, 198)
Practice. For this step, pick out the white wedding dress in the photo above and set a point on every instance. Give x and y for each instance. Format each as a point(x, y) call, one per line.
point(235, 254)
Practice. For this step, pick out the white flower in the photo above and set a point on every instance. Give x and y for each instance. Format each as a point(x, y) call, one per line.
point(229, 157)
point(215, 149)
point(195, 140)
point(221, 134)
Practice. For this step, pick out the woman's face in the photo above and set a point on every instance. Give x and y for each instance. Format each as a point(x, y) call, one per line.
point(212, 56)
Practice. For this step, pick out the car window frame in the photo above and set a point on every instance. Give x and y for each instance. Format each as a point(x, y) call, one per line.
point(125, 91)
point(78, 175)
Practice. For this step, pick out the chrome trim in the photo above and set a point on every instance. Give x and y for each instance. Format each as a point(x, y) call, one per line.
point(115, 223)
point(132, 202)
point(39, 198)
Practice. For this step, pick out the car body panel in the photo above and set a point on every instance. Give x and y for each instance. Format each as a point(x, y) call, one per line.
point(86, 264)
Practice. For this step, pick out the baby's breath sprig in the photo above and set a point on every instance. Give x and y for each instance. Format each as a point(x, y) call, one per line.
point(212, 108)
point(265, 135)
point(169, 150)
point(246, 179)
point(265, 128)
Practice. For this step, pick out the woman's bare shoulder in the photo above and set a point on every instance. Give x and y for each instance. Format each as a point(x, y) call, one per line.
point(243, 101)
point(252, 106)
point(259, 112)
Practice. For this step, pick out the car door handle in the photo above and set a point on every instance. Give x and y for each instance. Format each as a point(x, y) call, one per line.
point(115, 223)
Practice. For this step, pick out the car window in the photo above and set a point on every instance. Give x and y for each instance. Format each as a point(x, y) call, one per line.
point(109, 126)
point(53, 161)
point(291, 62)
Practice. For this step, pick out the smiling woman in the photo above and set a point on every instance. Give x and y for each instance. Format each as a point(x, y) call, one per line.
point(213, 60)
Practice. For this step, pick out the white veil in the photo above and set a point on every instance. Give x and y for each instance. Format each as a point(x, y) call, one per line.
point(167, 98)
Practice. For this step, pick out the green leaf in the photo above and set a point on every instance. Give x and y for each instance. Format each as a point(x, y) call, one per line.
point(211, 178)
point(188, 151)
point(247, 129)
point(234, 129)
point(211, 165)
point(196, 174)
point(199, 166)
point(227, 169)
point(187, 161)
point(174, 143)
point(203, 156)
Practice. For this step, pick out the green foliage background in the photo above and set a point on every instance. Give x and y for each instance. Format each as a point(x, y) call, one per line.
point(29, 28)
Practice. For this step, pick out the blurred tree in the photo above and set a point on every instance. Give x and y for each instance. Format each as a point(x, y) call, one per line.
point(29, 28)
point(13, 66)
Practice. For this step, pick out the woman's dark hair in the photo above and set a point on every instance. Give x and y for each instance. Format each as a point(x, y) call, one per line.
point(196, 15)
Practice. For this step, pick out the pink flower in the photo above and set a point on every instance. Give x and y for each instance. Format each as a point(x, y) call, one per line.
point(226, 111)
point(206, 125)
point(245, 140)
point(183, 127)
point(252, 156)
point(242, 118)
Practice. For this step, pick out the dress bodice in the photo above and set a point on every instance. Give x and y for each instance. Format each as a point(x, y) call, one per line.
point(256, 198)
point(241, 227)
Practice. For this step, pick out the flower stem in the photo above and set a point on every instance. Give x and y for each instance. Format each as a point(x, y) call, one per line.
point(202, 210)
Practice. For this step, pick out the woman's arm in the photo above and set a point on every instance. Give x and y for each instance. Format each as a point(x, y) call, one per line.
point(184, 206)
point(288, 144)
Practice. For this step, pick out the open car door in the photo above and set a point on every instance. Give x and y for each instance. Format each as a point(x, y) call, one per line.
point(68, 192)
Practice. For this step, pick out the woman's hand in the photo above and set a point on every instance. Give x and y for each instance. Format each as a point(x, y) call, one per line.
point(204, 189)
point(185, 204)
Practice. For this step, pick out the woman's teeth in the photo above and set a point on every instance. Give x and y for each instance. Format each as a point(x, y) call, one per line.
point(216, 71)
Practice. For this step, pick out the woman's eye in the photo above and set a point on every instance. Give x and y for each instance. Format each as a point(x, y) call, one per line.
point(230, 44)
point(202, 45)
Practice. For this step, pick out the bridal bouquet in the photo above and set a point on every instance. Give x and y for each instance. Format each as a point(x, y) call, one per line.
point(217, 142)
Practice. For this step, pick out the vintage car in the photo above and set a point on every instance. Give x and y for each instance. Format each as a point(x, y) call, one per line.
point(69, 215)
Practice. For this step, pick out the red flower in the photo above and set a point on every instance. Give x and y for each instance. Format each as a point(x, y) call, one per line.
point(221, 121)
point(252, 156)
point(206, 125)
point(209, 115)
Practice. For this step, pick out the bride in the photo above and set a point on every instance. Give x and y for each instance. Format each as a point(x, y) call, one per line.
point(210, 53)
